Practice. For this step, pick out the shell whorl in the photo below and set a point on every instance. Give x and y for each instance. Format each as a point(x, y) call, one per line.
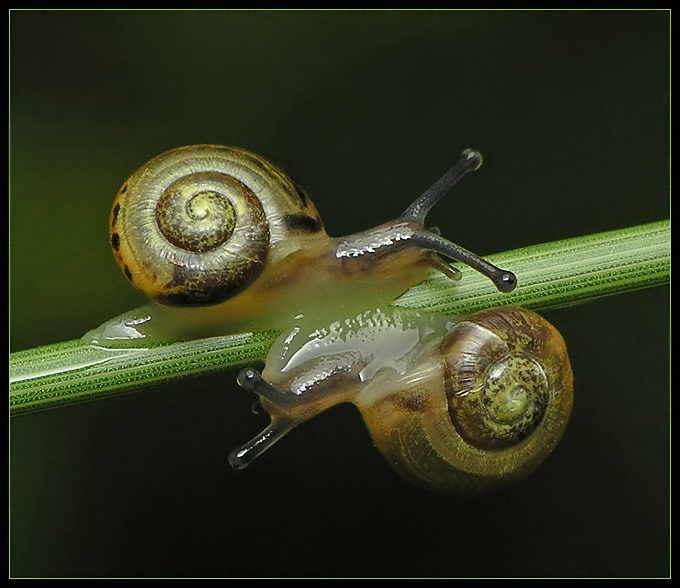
point(484, 411)
point(196, 225)
point(498, 377)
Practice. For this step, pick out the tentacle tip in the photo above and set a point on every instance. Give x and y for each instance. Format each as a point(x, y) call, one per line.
point(506, 282)
point(238, 459)
point(451, 272)
point(473, 158)
point(247, 378)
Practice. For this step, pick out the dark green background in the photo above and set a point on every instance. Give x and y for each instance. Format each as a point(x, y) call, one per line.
point(571, 110)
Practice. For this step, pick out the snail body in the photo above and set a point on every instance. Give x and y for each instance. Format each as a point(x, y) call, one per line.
point(454, 405)
point(222, 241)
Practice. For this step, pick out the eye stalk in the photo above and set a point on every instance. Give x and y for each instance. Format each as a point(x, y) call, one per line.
point(470, 160)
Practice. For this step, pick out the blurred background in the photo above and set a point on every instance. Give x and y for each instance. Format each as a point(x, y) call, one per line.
point(366, 109)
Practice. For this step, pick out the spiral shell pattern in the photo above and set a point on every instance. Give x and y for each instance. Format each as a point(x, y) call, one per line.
point(195, 225)
point(485, 411)
point(497, 378)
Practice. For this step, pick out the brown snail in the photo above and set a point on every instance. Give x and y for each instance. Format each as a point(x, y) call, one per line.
point(454, 406)
point(222, 240)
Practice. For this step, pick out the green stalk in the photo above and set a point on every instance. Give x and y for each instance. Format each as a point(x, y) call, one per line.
point(550, 275)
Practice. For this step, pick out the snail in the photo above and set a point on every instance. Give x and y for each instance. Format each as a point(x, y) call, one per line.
point(454, 405)
point(222, 241)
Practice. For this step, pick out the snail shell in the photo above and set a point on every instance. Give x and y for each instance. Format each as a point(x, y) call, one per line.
point(485, 410)
point(196, 225)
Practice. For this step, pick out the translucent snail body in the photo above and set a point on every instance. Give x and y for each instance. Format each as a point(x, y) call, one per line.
point(222, 241)
point(454, 405)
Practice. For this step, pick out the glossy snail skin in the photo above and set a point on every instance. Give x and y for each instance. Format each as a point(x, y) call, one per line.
point(455, 406)
point(223, 241)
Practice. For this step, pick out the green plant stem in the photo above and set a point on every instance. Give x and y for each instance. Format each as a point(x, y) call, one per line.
point(550, 275)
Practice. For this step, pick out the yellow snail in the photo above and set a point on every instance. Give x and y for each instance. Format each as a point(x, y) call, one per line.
point(455, 406)
point(223, 241)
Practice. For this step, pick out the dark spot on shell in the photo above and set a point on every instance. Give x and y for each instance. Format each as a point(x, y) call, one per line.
point(114, 214)
point(301, 194)
point(128, 273)
point(123, 189)
point(115, 241)
point(206, 288)
point(255, 160)
point(303, 223)
point(180, 275)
